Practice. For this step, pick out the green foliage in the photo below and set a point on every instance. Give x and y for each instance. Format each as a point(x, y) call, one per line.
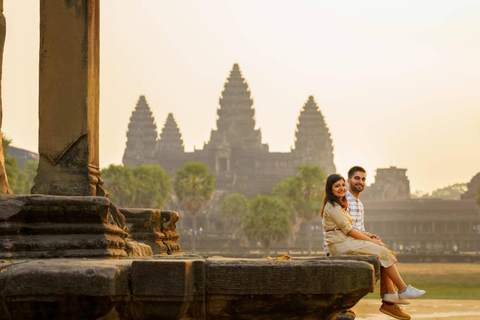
point(303, 194)
point(289, 190)
point(266, 221)
point(193, 186)
point(119, 182)
point(452, 192)
point(232, 208)
point(11, 165)
point(12, 169)
point(5, 143)
point(144, 186)
point(152, 186)
point(26, 178)
point(478, 196)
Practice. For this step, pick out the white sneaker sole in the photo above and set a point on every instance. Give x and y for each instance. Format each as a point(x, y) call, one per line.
point(397, 301)
point(415, 297)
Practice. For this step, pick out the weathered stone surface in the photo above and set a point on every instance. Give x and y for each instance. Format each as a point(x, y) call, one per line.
point(4, 187)
point(259, 289)
point(180, 287)
point(61, 288)
point(169, 228)
point(369, 259)
point(167, 289)
point(144, 225)
point(57, 226)
point(69, 99)
point(155, 228)
point(137, 249)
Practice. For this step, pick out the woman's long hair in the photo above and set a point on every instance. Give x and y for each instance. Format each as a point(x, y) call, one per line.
point(328, 195)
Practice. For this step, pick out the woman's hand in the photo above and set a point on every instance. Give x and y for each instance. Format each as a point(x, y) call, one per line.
point(380, 243)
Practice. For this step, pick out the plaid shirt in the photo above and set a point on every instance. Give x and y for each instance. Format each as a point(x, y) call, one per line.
point(356, 211)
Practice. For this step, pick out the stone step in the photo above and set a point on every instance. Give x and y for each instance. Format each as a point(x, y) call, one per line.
point(181, 287)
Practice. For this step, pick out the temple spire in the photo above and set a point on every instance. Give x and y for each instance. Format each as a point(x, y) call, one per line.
point(141, 136)
point(170, 138)
point(236, 120)
point(313, 142)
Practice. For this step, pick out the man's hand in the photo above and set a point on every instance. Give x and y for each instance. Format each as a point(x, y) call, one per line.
point(373, 236)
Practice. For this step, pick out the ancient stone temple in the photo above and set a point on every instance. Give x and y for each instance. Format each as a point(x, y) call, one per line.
point(170, 146)
point(65, 243)
point(235, 152)
point(426, 225)
point(312, 139)
point(141, 135)
point(390, 184)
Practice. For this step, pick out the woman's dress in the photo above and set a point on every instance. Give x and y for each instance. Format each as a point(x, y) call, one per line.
point(337, 223)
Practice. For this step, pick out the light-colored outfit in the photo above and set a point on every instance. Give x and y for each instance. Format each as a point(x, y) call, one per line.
point(356, 212)
point(336, 224)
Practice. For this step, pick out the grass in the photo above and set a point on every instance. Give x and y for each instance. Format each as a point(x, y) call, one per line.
point(454, 281)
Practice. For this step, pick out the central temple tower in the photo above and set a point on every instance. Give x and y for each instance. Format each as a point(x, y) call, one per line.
point(236, 123)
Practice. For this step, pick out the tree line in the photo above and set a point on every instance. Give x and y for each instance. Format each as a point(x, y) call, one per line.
point(265, 219)
point(270, 219)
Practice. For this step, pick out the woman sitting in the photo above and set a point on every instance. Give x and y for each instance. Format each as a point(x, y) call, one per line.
point(341, 238)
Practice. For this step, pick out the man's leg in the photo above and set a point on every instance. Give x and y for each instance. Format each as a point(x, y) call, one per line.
point(391, 309)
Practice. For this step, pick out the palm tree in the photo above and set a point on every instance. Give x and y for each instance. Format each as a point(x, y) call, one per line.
point(194, 185)
point(303, 195)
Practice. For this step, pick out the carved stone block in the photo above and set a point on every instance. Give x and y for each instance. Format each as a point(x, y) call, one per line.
point(262, 289)
point(58, 226)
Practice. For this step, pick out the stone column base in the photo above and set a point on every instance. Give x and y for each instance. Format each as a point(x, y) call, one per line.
point(41, 226)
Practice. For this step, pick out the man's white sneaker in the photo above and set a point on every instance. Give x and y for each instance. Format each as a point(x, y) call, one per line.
point(393, 298)
point(411, 293)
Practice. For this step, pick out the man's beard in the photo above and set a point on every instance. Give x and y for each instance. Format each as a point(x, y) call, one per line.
point(356, 189)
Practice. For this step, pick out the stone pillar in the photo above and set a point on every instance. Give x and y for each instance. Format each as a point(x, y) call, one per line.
point(69, 99)
point(4, 187)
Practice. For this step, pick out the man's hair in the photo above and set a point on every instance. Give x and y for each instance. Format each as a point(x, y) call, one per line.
point(355, 169)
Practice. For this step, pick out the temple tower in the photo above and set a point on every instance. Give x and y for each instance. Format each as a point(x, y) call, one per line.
point(313, 143)
point(390, 184)
point(170, 139)
point(236, 123)
point(170, 148)
point(141, 136)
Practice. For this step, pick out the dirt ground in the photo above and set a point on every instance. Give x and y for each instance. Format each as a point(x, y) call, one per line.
point(433, 309)
point(367, 309)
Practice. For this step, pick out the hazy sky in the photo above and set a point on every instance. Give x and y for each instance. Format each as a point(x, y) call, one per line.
point(398, 82)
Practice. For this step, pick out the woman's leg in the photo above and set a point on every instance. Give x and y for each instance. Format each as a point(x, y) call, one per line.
point(393, 275)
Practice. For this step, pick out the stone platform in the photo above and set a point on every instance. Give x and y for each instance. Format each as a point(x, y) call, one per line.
point(182, 287)
point(44, 226)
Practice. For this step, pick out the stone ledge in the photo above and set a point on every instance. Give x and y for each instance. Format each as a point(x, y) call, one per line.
point(292, 289)
point(180, 287)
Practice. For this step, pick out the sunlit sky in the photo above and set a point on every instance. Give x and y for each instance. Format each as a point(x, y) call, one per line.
point(398, 82)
